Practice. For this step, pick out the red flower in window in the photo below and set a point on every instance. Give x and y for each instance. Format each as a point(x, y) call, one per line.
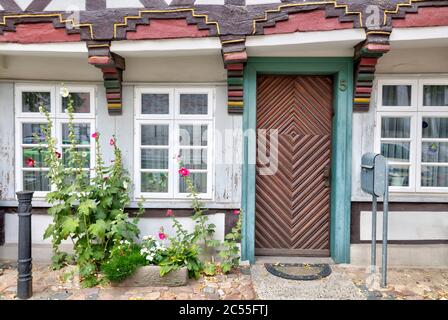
point(30, 162)
point(95, 135)
point(112, 141)
point(184, 172)
point(169, 213)
point(236, 212)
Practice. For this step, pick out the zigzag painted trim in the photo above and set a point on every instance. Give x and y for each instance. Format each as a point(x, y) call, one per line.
point(366, 59)
point(234, 56)
point(112, 66)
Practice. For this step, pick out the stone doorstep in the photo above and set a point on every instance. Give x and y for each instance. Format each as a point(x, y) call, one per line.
point(149, 276)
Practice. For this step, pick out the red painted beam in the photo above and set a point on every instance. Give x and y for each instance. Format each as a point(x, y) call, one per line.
point(38, 33)
point(166, 29)
point(99, 61)
point(235, 57)
point(236, 66)
point(235, 93)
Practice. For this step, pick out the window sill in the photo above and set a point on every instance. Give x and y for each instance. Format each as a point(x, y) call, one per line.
point(150, 204)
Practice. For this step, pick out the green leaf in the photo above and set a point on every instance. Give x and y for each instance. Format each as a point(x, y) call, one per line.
point(69, 226)
point(99, 228)
point(166, 269)
point(49, 231)
point(226, 267)
point(210, 269)
point(85, 206)
point(87, 269)
point(107, 201)
point(100, 213)
point(57, 209)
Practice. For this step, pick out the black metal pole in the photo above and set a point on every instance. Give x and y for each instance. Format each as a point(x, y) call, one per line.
point(385, 230)
point(24, 265)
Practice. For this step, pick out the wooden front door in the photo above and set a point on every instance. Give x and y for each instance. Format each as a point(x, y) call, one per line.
point(293, 204)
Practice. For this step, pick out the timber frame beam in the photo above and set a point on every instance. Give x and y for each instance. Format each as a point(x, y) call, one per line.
point(367, 54)
point(234, 57)
point(112, 65)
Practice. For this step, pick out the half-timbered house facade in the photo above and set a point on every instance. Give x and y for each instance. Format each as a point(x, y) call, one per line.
point(271, 103)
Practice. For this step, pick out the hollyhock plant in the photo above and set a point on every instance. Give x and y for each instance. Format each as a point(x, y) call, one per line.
point(184, 172)
point(112, 141)
point(162, 235)
point(64, 92)
point(30, 162)
point(86, 208)
point(169, 213)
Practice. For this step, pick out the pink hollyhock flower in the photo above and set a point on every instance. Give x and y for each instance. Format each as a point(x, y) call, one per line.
point(58, 155)
point(236, 212)
point(30, 162)
point(95, 135)
point(169, 213)
point(112, 141)
point(184, 172)
point(162, 235)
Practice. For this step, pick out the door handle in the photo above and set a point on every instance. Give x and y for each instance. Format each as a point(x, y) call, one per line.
point(327, 175)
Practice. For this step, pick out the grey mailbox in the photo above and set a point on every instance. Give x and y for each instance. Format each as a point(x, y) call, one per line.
point(373, 174)
point(374, 180)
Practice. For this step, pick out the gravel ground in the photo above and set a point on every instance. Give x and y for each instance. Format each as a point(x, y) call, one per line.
point(345, 283)
point(355, 283)
point(336, 286)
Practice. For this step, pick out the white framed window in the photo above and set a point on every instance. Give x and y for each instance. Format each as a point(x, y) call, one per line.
point(31, 170)
point(171, 122)
point(412, 133)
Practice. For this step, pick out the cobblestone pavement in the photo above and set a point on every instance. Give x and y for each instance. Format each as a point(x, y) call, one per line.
point(345, 282)
point(402, 283)
point(64, 285)
point(352, 283)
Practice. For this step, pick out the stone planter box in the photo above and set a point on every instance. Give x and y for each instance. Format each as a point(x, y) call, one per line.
point(149, 276)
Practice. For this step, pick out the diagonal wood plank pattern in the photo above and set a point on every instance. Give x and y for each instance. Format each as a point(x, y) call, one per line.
point(293, 205)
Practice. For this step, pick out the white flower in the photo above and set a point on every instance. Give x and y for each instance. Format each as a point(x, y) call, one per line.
point(64, 92)
point(125, 185)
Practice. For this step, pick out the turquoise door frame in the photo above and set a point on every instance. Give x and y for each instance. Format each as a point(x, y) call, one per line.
point(342, 71)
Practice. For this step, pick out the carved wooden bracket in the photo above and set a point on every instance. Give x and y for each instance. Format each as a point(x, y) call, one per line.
point(112, 66)
point(234, 57)
point(367, 54)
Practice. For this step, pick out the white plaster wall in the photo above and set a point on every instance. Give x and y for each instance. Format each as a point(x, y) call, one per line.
point(398, 61)
point(199, 68)
point(414, 60)
point(191, 69)
point(155, 71)
point(6, 141)
point(23, 67)
point(432, 255)
point(148, 226)
point(407, 225)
